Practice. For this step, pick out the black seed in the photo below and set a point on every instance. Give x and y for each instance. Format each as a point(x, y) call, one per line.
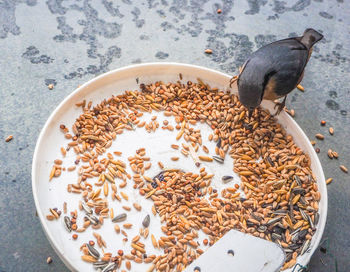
point(323, 249)
point(278, 230)
point(302, 234)
point(146, 221)
point(197, 269)
point(248, 126)
point(288, 257)
point(218, 144)
point(294, 246)
point(270, 161)
point(250, 224)
point(231, 252)
point(154, 184)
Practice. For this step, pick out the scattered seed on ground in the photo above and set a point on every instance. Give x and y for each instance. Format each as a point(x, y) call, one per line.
point(300, 88)
point(328, 181)
point(319, 136)
point(8, 138)
point(343, 168)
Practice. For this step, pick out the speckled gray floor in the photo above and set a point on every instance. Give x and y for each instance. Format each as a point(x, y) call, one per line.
point(66, 43)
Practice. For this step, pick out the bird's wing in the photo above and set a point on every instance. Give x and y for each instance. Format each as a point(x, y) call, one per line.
point(285, 62)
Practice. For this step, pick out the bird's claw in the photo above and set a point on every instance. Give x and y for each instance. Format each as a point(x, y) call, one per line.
point(233, 80)
point(280, 106)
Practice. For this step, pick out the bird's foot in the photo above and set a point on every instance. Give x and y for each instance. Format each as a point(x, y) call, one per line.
point(280, 106)
point(233, 80)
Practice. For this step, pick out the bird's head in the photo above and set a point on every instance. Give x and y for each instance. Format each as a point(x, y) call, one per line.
point(250, 94)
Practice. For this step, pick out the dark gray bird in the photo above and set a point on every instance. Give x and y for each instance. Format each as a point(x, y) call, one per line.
point(274, 70)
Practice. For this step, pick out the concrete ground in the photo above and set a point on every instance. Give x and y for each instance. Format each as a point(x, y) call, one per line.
point(66, 43)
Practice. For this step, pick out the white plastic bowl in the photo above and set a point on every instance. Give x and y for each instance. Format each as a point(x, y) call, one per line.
point(52, 194)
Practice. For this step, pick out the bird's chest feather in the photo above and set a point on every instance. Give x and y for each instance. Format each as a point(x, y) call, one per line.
point(270, 90)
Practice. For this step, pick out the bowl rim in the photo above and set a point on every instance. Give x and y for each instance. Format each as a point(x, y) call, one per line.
point(49, 235)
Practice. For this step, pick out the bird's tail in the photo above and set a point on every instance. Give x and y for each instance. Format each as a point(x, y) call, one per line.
point(310, 37)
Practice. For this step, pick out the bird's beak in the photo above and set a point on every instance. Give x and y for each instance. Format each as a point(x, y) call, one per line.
point(250, 112)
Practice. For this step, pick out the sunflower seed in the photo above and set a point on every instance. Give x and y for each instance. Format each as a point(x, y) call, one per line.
point(93, 252)
point(226, 179)
point(276, 236)
point(146, 221)
point(288, 254)
point(303, 201)
point(110, 267)
point(280, 226)
point(305, 247)
point(278, 230)
point(295, 232)
point(67, 223)
point(100, 264)
point(94, 220)
point(218, 144)
point(317, 218)
point(298, 191)
point(312, 226)
point(262, 228)
point(270, 161)
point(310, 209)
point(86, 208)
point(297, 179)
point(294, 246)
point(280, 212)
point(256, 217)
point(302, 234)
point(274, 220)
point(295, 237)
point(218, 159)
point(119, 218)
point(303, 214)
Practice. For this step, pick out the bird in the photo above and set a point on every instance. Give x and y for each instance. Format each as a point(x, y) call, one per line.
point(274, 70)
